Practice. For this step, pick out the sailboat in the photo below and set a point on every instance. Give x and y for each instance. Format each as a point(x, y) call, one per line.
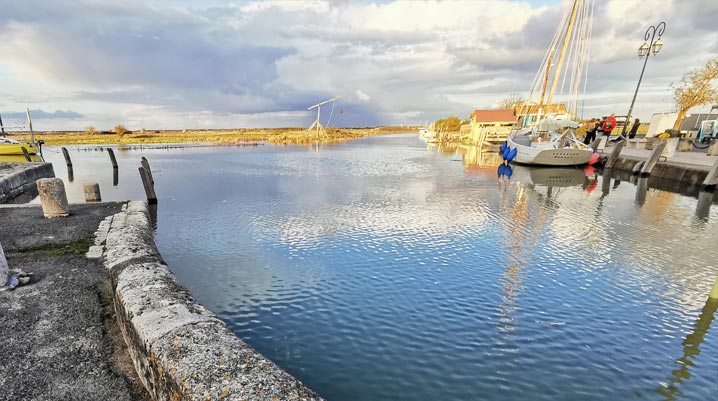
point(545, 133)
point(11, 147)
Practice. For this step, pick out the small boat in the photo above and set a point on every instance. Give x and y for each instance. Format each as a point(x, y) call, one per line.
point(12, 147)
point(9, 147)
point(545, 131)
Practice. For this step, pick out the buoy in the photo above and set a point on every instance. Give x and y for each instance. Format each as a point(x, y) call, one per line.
point(508, 171)
point(593, 159)
point(589, 171)
point(512, 154)
point(500, 171)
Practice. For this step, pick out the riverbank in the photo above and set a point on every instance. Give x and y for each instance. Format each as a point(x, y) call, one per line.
point(60, 339)
point(218, 137)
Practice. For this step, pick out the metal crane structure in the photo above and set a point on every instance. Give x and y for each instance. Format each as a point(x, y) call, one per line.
point(317, 124)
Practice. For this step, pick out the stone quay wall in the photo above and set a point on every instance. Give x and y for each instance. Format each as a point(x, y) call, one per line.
point(18, 178)
point(181, 350)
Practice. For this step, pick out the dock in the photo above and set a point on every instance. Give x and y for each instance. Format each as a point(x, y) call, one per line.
point(17, 180)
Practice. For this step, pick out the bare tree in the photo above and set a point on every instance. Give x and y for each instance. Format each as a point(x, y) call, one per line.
point(696, 88)
point(511, 101)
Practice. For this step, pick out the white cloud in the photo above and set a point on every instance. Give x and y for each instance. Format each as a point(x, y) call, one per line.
point(362, 96)
point(263, 63)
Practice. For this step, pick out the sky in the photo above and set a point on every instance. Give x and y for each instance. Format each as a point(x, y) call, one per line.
point(224, 64)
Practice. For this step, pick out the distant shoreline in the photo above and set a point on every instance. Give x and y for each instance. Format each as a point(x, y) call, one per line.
point(217, 137)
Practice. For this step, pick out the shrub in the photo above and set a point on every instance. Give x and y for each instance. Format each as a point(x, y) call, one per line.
point(90, 130)
point(120, 130)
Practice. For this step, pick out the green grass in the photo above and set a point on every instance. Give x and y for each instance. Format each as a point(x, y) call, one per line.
point(78, 247)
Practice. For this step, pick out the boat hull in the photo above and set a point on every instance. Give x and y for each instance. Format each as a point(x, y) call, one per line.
point(10, 149)
point(549, 156)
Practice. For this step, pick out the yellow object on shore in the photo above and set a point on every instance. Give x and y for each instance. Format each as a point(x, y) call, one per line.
point(7, 149)
point(714, 291)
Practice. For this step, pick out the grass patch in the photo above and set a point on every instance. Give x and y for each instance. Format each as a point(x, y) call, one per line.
point(78, 247)
point(219, 137)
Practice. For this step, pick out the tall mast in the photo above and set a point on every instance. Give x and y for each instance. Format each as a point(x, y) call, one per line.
point(564, 46)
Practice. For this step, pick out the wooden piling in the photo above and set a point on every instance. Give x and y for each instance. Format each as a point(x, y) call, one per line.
point(146, 165)
point(613, 157)
point(27, 155)
point(112, 157)
point(147, 184)
point(712, 178)
point(652, 159)
point(65, 153)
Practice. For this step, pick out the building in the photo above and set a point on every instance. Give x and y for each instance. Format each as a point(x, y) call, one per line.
point(492, 126)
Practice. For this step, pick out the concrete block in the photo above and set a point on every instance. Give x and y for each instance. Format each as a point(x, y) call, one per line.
point(53, 197)
point(95, 252)
point(154, 301)
point(92, 192)
point(713, 148)
point(685, 145)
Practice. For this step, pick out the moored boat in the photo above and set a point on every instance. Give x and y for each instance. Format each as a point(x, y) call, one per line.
point(545, 131)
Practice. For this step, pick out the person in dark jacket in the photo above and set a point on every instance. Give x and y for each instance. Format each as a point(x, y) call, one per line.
point(634, 129)
point(591, 128)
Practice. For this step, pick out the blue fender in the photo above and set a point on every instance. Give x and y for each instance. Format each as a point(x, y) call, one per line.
point(512, 154)
point(504, 145)
point(508, 171)
point(505, 154)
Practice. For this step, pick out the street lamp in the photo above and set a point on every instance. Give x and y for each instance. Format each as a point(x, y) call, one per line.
point(648, 47)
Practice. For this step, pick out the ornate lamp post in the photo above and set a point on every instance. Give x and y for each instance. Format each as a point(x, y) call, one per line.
point(649, 46)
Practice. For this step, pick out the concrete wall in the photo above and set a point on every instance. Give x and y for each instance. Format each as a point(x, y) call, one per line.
point(181, 350)
point(21, 177)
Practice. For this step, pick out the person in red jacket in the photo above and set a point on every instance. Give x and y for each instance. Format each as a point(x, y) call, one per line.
point(609, 124)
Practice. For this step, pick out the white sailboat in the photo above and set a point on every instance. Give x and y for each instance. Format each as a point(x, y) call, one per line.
point(545, 132)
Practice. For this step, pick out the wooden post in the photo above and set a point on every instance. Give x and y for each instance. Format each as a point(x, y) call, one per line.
point(613, 157)
point(712, 178)
point(652, 159)
point(147, 183)
point(112, 157)
point(27, 155)
point(641, 190)
point(68, 161)
point(146, 165)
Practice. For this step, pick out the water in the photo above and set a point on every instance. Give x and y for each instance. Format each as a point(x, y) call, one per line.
point(380, 270)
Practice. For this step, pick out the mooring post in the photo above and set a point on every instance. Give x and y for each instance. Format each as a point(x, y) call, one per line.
point(146, 165)
point(641, 190)
point(92, 192)
point(68, 161)
point(27, 155)
point(112, 157)
point(147, 183)
point(613, 157)
point(714, 291)
point(712, 178)
point(703, 206)
point(53, 197)
point(652, 159)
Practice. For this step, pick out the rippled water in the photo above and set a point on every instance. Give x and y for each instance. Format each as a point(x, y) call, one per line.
point(380, 270)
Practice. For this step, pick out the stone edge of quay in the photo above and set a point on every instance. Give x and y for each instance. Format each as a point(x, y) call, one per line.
point(180, 349)
point(18, 182)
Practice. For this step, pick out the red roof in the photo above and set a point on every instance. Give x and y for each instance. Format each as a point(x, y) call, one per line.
point(493, 116)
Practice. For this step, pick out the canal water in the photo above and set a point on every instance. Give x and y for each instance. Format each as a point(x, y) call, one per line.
point(381, 269)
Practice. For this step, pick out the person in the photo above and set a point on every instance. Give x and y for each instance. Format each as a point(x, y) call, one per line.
point(591, 128)
point(634, 129)
point(608, 124)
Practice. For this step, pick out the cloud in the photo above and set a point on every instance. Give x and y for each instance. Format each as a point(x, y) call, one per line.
point(40, 114)
point(363, 97)
point(263, 63)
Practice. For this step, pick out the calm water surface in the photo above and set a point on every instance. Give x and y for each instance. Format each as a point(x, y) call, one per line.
point(383, 270)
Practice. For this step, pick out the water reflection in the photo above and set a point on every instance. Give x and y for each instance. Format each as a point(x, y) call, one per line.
point(691, 350)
